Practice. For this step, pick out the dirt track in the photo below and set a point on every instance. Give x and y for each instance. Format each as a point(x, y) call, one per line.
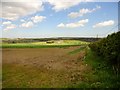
point(42, 67)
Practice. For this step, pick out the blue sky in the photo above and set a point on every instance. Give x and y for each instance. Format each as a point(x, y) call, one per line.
point(51, 19)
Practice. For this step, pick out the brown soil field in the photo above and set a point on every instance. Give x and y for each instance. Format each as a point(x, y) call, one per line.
point(42, 67)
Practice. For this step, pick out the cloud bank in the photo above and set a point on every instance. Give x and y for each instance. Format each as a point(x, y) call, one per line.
point(59, 5)
point(15, 10)
point(104, 24)
point(80, 23)
point(82, 12)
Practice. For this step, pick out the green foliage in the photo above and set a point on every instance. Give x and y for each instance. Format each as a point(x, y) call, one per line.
point(101, 76)
point(109, 48)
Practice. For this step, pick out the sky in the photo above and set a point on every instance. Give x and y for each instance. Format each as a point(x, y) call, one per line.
point(53, 18)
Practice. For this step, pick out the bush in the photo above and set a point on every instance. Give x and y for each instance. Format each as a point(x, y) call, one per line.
point(109, 48)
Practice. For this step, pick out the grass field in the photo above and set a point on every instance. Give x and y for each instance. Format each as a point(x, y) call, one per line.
point(57, 43)
point(70, 65)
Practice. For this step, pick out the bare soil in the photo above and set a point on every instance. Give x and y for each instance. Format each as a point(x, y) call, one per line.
point(42, 67)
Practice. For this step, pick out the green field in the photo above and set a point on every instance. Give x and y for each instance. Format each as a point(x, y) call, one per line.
point(57, 43)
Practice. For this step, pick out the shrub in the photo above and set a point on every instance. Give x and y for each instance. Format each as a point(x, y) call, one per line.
point(109, 48)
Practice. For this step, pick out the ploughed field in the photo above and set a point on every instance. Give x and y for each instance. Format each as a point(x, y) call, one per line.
point(43, 67)
point(54, 64)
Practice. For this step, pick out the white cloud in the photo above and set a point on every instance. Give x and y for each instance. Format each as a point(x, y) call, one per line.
point(59, 5)
point(10, 27)
point(103, 24)
point(6, 23)
point(37, 19)
point(61, 25)
point(28, 24)
point(80, 23)
point(82, 12)
point(22, 20)
point(14, 10)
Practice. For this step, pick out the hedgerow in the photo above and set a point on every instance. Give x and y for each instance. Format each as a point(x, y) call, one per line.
point(109, 48)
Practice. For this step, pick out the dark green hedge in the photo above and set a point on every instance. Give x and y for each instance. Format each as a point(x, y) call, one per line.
point(109, 48)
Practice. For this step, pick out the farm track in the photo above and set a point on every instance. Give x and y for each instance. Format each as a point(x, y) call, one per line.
point(42, 67)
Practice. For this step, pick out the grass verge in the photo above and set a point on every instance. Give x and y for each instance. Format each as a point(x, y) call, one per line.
point(100, 75)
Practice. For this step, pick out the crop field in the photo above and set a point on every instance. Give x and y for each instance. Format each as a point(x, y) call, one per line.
point(59, 44)
point(51, 43)
point(62, 64)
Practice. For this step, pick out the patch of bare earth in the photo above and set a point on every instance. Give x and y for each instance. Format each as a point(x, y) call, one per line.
point(42, 67)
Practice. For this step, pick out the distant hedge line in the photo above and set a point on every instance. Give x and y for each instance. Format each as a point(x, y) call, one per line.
point(109, 48)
